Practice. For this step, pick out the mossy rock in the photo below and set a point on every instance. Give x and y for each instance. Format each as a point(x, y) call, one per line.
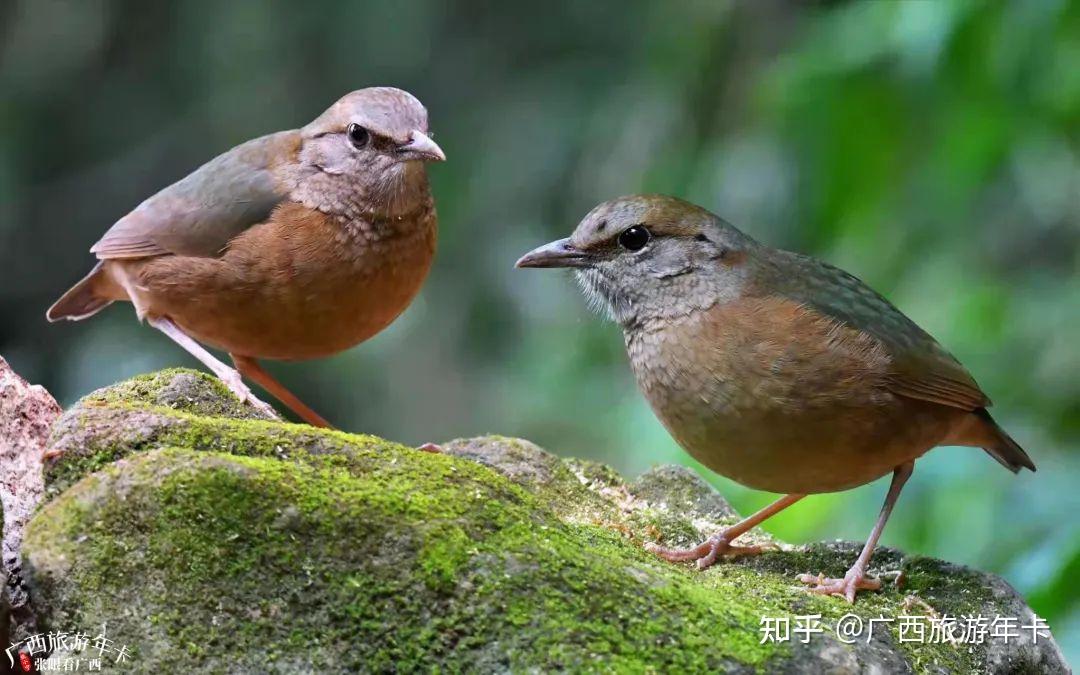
point(211, 541)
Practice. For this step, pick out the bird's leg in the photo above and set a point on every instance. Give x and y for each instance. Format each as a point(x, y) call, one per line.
point(227, 375)
point(250, 368)
point(856, 579)
point(719, 544)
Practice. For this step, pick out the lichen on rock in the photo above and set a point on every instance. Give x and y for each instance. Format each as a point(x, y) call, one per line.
point(205, 537)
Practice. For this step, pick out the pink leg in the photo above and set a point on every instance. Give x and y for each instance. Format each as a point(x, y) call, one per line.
point(719, 544)
point(227, 375)
point(251, 369)
point(856, 579)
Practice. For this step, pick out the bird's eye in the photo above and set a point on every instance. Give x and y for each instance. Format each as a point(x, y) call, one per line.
point(634, 238)
point(358, 135)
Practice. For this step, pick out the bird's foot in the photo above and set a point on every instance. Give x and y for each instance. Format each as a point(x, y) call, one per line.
point(854, 581)
point(235, 384)
point(430, 447)
point(705, 553)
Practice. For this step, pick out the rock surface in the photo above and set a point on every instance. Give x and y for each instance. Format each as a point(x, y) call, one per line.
point(209, 540)
point(26, 414)
point(5, 618)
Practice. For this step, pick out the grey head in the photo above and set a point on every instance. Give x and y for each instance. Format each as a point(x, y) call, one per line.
point(372, 144)
point(644, 257)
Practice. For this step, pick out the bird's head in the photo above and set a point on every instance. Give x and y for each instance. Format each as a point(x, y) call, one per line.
point(374, 139)
point(651, 256)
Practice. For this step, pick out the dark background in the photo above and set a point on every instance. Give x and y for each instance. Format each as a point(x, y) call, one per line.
point(931, 148)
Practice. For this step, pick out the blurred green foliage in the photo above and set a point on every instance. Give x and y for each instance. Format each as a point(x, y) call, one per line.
point(929, 147)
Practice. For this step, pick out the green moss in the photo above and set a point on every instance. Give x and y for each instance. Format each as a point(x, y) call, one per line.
point(594, 474)
point(242, 544)
point(442, 558)
point(460, 560)
point(152, 427)
point(177, 389)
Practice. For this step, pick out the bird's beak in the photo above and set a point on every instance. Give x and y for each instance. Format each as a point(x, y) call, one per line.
point(421, 146)
point(556, 254)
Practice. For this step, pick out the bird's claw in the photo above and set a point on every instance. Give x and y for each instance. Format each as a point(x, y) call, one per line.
point(853, 582)
point(235, 383)
point(706, 553)
point(263, 407)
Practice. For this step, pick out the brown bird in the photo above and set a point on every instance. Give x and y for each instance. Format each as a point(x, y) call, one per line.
point(772, 368)
point(291, 246)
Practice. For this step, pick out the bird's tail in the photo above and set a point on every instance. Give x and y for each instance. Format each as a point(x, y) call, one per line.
point(1000, 445)
point(82, 300)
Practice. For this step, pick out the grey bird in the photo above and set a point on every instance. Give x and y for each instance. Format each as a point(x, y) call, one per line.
point(772, 368)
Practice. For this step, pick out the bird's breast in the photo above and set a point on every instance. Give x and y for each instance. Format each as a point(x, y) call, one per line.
point(302, 285)
point(765, 393)
point(344, 292)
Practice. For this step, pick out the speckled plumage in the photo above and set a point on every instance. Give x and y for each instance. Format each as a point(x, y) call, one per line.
point(294, 245)
point(778, 397)
point(324, 283)
point(772, 368)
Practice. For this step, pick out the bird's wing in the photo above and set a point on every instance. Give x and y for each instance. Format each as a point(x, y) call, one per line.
point(919, 367)
point(201, 213)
